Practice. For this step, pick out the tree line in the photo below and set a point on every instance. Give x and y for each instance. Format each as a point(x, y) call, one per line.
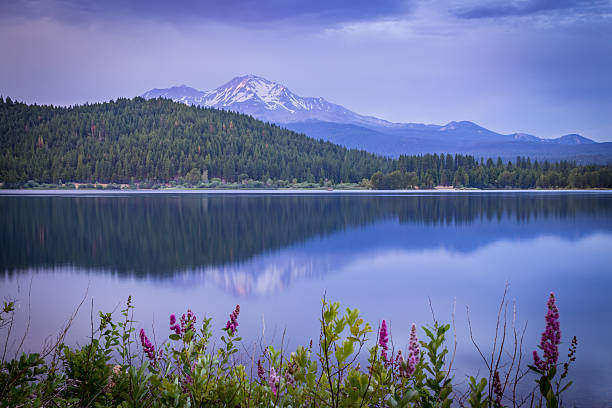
point(430, 170)
point(138, 140)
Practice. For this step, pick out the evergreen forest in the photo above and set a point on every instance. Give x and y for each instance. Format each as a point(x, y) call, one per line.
point(130, 141)
point(136, 140)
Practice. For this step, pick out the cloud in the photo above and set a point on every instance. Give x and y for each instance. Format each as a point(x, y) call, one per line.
point(548, 77)
point(249, 12)
point(532, 7)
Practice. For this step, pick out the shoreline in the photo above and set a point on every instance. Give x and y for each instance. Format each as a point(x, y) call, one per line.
point(322, 191)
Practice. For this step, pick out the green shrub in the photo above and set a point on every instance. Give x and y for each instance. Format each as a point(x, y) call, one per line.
point(187, 370)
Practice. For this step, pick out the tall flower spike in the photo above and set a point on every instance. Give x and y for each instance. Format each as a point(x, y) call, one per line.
point(273, 380)
point(401, 365)
point(572, 351)
point(571, 357)
point(232, 323)
point(260, 371)
point(147, 346)
point(551, 338)
point(383, 340)
point(408, 367)
point(414, 352)
point(497, 389)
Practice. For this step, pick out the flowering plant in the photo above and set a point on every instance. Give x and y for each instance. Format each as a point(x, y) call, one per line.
point(546, 367)
point(187, 370)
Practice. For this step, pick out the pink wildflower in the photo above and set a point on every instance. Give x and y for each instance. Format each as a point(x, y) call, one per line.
point(232, 324)
point(174, 325)
point(149, 348)
point(551, 338)
point(408, 367)
point(260, 371)
point(273, 380)
point(414, 353)
point(187, 322)
point(383, 340)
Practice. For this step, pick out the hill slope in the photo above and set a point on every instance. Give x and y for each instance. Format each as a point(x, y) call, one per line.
point(158, 139)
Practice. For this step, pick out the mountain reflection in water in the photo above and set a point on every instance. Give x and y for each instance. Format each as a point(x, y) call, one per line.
point(229, 238)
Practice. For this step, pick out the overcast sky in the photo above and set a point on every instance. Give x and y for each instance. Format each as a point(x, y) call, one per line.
point(536, 66)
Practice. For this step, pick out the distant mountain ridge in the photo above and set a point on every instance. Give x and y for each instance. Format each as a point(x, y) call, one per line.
point(318, 118)
point(265, 100)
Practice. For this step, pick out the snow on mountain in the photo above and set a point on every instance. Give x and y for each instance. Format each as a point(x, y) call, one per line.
point(265, 100)
point(273, 102)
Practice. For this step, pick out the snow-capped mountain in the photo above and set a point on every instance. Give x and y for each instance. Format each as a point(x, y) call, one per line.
point(265, 100)
point(316, 117)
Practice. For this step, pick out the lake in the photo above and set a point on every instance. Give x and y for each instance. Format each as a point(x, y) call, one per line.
point(277, 254)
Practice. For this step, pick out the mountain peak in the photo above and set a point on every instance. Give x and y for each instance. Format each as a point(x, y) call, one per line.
point(525, 137)
point(248, 79)
point(573, 138)
point(254, 92)
point(463, 125)
point(252, 77)
point(266, 100)
point(181, 93)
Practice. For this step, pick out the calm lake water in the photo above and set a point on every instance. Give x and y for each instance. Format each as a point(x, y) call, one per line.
point(278, 254)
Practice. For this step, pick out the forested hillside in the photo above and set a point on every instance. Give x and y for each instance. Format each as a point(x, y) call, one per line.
point(135, 140)
point(138, 140)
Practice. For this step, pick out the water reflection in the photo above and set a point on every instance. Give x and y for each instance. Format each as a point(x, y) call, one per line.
point(158, 236)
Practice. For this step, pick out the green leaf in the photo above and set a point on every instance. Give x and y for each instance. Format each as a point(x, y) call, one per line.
point(534, 368)
point(566, 386)
point(552, 372)
point(174, 337)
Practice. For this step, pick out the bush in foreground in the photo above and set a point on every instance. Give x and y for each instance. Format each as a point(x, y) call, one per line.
point(123, 368)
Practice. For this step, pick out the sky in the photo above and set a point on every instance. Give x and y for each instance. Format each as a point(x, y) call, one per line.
point(542, 67)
